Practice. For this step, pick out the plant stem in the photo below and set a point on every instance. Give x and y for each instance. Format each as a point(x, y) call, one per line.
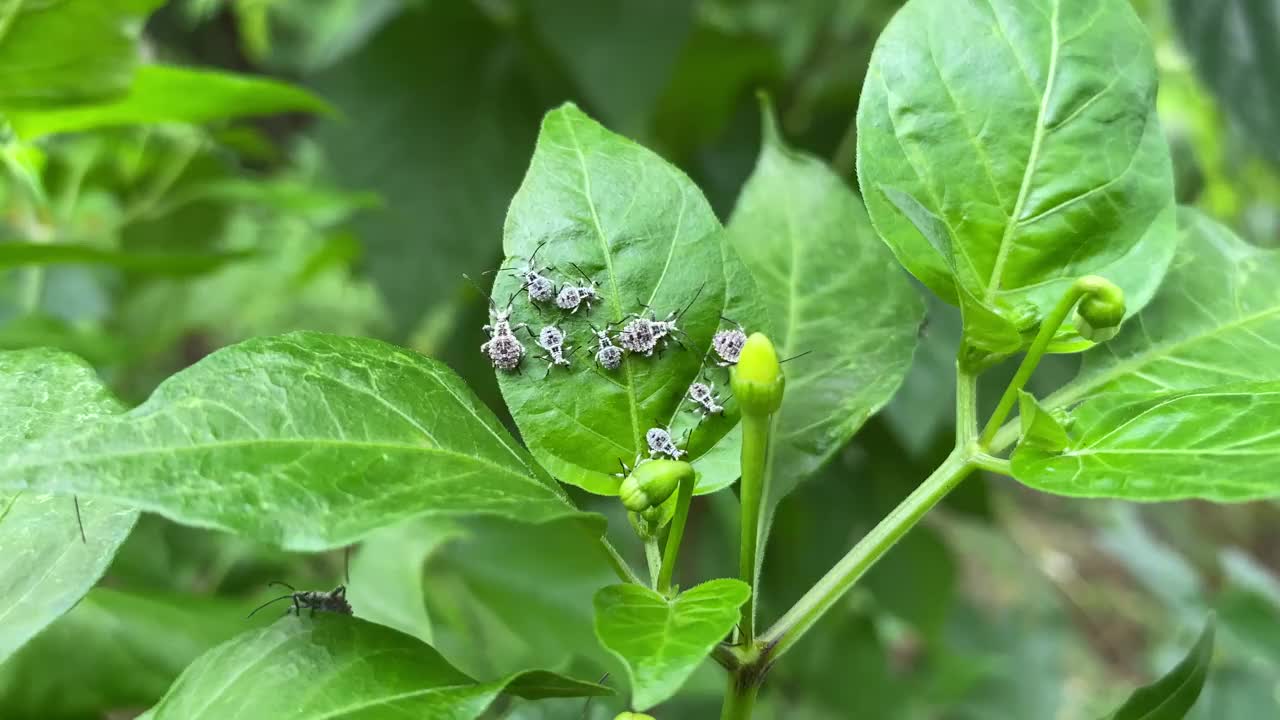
point(755, 450)
point(828, 591)
point(619, 564)
point(653, 554)
point(739, 697)
point(1048, 329)
point(684, 499)
point(966, 407)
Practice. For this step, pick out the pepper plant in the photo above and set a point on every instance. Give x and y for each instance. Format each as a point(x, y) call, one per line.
point(1010, 160)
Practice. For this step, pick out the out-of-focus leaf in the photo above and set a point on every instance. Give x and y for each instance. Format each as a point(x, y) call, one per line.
point(17, 254)
point(46, 567)
point(167, 94)
point(1217, 443)
point(663, 641)
point(1172, 696)
point(387, 575)
point(113, 650)
point(314, 34)
point(1232, 44)
point(306, 440)
point(445, 149)
point(832, 290)
point(63, 52)
point(1029, 130)
point(333, 666)
point(643, 231)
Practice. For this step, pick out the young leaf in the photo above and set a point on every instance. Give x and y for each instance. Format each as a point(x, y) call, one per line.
point(1216, 320)
point(339, 667)
point(168, 94)
point(387, 575)
point(643, 231)
point(49, 568)
point(306, 440)
point(663, 641)
point(63, 52)
point(1218, 443)
point(832, 290)
point(1028, 129)
point(1172, 696)
point(1039, 428)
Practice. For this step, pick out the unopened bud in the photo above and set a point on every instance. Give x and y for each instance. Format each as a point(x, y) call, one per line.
point(1101, 310)
point(652, 482)
point(757, 379)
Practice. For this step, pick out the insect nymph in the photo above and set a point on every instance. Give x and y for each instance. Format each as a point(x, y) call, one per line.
point(728, 344)
point(551, 340)
point(504, 349)
point(703, 395)
point(661, 443)
point(539, 287)
point(608, 355)
point(644, 333)
point(571, 297)
point(334, 601)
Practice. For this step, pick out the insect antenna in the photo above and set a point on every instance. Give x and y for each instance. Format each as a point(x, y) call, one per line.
point(795, 357)
point(584, 275)
point(537, 250)
point(696, 295)
point(587, 706)
point(282, 583)
point(346, 564)
point(480, 290)
point(269, 602)
point(76, 499)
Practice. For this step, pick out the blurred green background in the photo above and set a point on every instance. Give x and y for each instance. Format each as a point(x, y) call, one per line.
point(1005, 604)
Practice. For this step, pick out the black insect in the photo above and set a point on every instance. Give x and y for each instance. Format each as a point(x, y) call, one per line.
point(728, 344)
point(334, 601)
point(661, 443)
point(556, 352)
point(504, 349)
point(539, 287)
point(645, 333)
point(571, 297)
point(608, 355)
point(703, 396)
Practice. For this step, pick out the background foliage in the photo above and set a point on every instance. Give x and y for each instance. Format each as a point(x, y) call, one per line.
point(178, 222)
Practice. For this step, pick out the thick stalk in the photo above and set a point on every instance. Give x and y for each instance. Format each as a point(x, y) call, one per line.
point(684, 499)
point(828, 591)
point(755, 450)
point(740, 696)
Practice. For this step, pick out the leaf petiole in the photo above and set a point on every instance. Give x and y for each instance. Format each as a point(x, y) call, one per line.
point(684, 499)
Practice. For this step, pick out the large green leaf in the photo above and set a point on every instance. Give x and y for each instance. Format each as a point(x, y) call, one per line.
point(337, 667)
point(641, 229)
point(1027, 130)
point(49, 568)
point(304, 440)
point(1218, 443)
point(1172, 696)
point(168, 94)
point(1216, 320)
point(61, 52)
point(387, 579)
point(832, 289)
point(114, 650)
point(1234, 49)
point(663, 641)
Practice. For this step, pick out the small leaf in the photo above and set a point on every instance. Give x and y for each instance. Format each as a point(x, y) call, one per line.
point(167, 94)
point(1217, 443)
point(63, 52)
point(306, 440)
point(387, 575)
point(304, 668)
point(48, 567)
point(1027, 130)
point(663, 641)
point(1039, 428)
point(832, 290)
point(643, 231)
point(1172, 696)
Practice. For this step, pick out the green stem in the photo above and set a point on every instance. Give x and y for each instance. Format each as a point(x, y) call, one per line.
point(966, 407)
point(653, 554)
point(739, 697)
point(755, 451)
point(684, 499)
point(619, 564)
point(1048, 329)
point(828, 591)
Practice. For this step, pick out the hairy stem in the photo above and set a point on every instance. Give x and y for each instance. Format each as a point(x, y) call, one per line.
point(653, 554)
point(740, 696)
point(966, 407)
point(755, 450)
point(828, 591)
point(684, 499)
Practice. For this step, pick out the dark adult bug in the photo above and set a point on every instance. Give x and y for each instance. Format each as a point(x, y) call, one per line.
point(703, 396)
point(504, 349)
point(728, 344)
point(571, 297)
point(334, 601)
point(644, 333)
point(556, 352)
point(608, 355)
point(538, 287)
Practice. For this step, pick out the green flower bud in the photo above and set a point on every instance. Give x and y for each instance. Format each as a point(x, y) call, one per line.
point(633, 716)
point(652, 482)
point(1101, 310)
point(757, 379)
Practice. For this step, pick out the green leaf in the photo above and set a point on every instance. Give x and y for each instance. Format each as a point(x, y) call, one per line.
point(1216, 443)
point(338, 667)
point(168, 94)
point(1232, 45)
point(306, 440)
point(114, 650)
point(387, 582)
point(1216, 320)
point(1172, 696)
point(61, 52)
point(833, 290)
point(1039, 428)
point(50, 568)
point(1028, 130)
point(641, 229)
point(663, 641)
point(18, 254)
